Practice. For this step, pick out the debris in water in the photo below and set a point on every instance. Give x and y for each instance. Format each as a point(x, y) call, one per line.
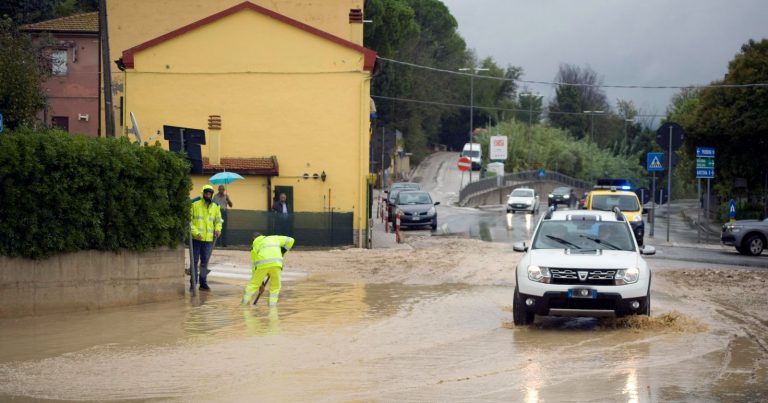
point(671, 321)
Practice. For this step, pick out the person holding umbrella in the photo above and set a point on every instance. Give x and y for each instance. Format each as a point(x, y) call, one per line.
point(205, 225)
point(224, 202)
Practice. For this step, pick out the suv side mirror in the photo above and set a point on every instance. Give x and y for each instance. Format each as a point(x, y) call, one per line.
point(437, 203)
point(519, 247)
point(647, 250)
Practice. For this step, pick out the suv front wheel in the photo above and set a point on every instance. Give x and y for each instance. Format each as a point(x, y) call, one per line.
point(520, 316)
point(754, 245)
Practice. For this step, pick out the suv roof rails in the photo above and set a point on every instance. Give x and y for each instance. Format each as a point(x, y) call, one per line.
point(549, 212)
point(619, 215)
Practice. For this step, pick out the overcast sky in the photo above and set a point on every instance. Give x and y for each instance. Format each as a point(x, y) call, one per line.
point(640, 42)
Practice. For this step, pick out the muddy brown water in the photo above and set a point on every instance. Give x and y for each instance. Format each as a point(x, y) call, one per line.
point(329, 342)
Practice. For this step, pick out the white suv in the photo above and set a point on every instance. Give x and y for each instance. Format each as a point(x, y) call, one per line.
point(582, 263)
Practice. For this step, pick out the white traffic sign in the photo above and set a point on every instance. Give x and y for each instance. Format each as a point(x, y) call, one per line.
point(498, 148)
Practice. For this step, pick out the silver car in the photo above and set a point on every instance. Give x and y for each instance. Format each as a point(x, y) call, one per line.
point(748, 236)
point(523, 199)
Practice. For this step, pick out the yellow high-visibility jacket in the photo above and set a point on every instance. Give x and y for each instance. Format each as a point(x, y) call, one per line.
point(266, 251)
point(205, 219)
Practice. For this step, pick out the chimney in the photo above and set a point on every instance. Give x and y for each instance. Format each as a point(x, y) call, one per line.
point(356, 26)
point(214, 138)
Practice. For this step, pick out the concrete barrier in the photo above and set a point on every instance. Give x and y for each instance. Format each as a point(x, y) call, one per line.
point(89, 280)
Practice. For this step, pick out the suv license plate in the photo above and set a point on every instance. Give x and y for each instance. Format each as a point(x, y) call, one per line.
point(582, 293)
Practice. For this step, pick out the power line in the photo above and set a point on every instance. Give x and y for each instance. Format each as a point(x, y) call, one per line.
point(753, 85)
point(496, 108)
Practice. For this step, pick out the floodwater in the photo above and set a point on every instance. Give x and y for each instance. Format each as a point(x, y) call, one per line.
point(330, 341)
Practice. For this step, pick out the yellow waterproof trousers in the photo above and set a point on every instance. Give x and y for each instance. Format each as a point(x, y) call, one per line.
point(257, 277)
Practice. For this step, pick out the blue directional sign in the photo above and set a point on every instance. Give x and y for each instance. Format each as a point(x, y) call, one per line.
point(732, 209)
point(542, 173)
point(655, 162)
point(1, 122)
point(705, 173)
point(705, 152)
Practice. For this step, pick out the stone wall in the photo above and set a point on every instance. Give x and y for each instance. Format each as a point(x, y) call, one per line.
point(89, 280)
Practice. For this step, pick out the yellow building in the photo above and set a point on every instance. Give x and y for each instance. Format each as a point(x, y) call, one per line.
point(293, 101)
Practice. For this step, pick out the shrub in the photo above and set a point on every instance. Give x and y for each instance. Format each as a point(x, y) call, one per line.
point(63, 193)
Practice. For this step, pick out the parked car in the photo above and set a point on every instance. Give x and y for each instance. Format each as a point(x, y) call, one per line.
point(523, 199)
point(562, 195)
point(748, 236)
point(416, 209)
point(582, 263)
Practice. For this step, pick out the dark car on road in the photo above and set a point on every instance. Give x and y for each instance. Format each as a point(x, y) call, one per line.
point(562, 195)
point(416, 209)
point(748, 236)
point(396, 188)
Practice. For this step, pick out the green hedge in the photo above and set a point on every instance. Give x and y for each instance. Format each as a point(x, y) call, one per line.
point(64, 193)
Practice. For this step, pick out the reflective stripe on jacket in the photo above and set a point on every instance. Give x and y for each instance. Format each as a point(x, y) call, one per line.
point(266, 250)
point(204, 220)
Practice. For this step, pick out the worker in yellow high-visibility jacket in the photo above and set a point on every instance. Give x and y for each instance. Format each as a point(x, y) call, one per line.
point(267, 260)
point(205, 225)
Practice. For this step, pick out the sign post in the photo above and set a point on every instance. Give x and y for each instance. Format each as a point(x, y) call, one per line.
point(705, 169)
point(654, 164)
point(670, 135)
point(464, 164)
point(499, 153)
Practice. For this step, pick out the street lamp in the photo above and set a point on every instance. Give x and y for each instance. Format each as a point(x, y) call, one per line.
point(474, 71)
point(530, 96)
point(592, 117)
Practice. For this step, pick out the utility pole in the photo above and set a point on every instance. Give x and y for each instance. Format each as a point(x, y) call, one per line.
point(472, 103)
point(109, 110)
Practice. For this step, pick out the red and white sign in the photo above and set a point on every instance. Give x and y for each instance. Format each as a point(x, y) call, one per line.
point(498, 148)
point(465, 163)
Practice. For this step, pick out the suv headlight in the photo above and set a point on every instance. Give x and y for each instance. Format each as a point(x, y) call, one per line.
point(732, 228)
point(627, 276)
point(431, 211)
point(566, 196)
point(539, 274)
point(550, 195)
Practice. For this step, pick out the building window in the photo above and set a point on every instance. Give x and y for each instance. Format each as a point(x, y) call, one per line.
point(59, 62)
point(62, 122)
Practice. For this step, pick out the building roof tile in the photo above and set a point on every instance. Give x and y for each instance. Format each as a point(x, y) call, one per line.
point(85, 22)
point(244, 166)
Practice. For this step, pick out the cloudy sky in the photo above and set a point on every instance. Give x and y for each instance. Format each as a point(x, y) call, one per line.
point(640, 42)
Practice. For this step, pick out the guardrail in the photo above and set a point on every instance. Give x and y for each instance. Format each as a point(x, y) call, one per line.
point(488, 184)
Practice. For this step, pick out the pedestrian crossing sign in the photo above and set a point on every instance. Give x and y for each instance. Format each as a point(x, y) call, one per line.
point(655, 162)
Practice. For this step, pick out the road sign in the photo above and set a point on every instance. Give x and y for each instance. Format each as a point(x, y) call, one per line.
point(655, 162)
point(465, 164)
point(732, 210)
point(705, 173)
point(663, 133)
point(498, 148)
point(705, 163)
point(705, 152)
point(1, 122)
point(542, 173)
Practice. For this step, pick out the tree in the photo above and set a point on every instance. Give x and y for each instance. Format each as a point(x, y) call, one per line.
point(732, 120)
point(30, 11)
point(21, 94)
point(566, 109)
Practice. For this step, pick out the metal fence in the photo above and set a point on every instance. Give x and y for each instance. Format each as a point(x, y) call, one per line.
point(492, 183)
point(309, 229)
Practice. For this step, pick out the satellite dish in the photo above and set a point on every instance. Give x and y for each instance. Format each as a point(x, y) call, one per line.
point(135, 129)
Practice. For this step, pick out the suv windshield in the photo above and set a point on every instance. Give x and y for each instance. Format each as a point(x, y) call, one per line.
point(608, 202)
point(522, 193)
point(414, 198)
point(607, 235)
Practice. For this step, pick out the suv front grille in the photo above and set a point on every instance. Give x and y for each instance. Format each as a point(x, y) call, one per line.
point(594, 276)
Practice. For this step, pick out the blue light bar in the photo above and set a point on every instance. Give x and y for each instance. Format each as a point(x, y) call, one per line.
point(626, 187)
